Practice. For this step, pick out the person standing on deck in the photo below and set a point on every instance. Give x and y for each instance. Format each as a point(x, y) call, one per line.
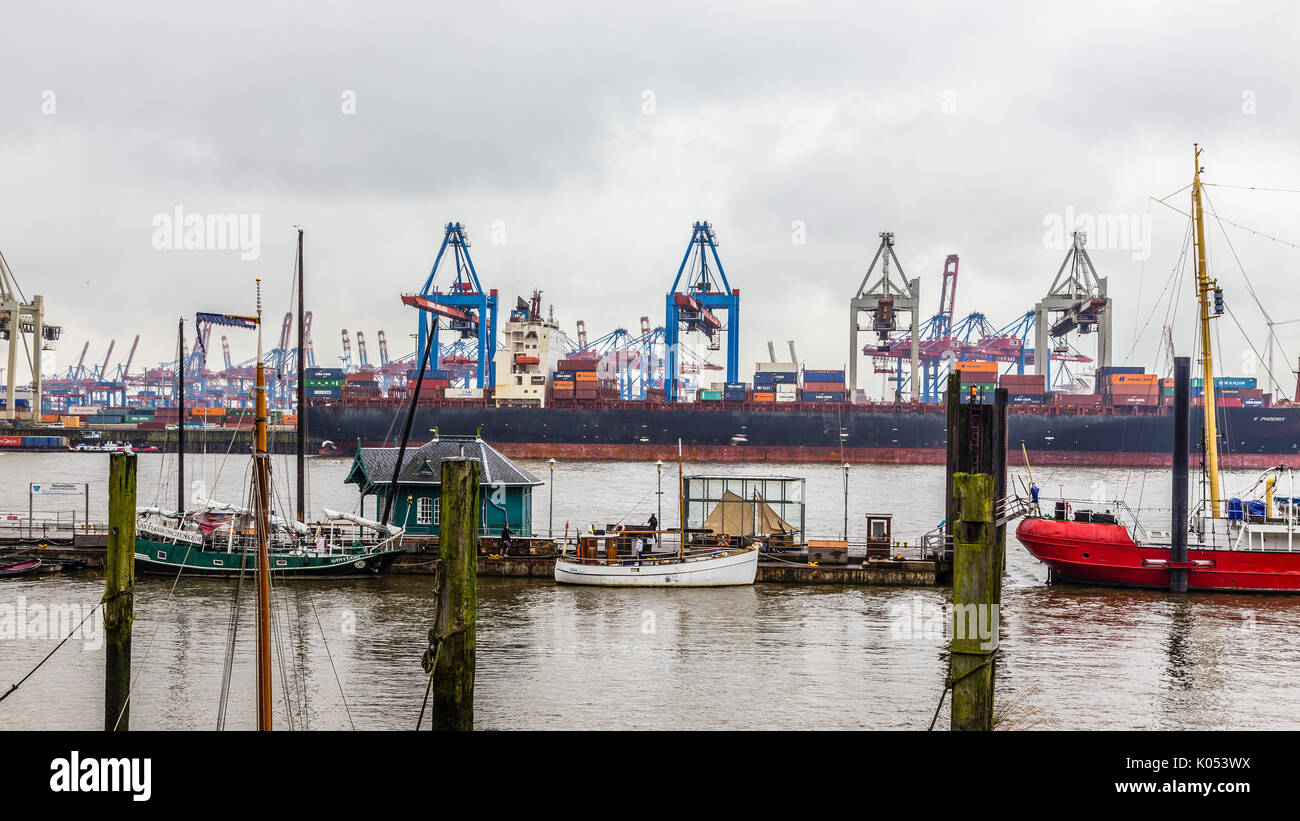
point(653, 526)
point(505, 539)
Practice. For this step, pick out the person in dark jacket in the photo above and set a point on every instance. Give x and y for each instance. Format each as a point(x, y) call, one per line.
point(505, 539)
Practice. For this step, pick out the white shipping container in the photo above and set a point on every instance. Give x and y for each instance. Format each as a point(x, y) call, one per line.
point(787, 397)
point(463, 393)
point(776, 367)
point(783, 388)
point(80, 410)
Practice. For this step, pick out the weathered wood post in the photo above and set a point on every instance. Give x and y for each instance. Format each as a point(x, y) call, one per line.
point(976, 482)
point(119, 586)
point(976, 601)
point(453, 673)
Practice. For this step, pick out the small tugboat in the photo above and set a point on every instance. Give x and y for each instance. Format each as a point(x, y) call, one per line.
point(1253, 548)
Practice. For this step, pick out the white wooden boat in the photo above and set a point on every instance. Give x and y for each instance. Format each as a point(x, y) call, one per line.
point(720, 567)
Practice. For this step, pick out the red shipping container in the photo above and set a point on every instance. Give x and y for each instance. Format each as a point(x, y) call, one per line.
point(578, 364)
point(1077, 400)
point(1231, 402)
point(11, 441)
point(824, 387)
point(1134, 390)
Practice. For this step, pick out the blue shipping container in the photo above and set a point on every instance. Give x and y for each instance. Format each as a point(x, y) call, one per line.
point(785, 378)
point(823, 397)
point(1119, 369)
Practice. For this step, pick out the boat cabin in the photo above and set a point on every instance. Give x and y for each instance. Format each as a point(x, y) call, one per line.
point(506, 495)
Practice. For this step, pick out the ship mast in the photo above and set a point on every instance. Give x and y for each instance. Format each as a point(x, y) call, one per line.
point(301, 406)
point(1203, 287)
point(261, 487)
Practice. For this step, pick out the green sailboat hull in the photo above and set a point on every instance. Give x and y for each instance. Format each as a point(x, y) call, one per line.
point(153, 556)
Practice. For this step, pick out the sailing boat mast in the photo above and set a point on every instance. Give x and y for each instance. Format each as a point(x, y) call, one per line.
point(301, 407)
point(262, 488)
point(180, 417)
point(1203, 287)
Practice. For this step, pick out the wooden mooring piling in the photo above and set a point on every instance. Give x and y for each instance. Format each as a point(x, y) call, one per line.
point(450, 659)
point(976, 482)
point(119, 590)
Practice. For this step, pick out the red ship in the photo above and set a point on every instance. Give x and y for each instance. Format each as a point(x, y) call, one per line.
point(1250, 549)
point(1245, 552)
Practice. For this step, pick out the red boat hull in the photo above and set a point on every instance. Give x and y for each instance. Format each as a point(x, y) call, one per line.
point(1105, 554)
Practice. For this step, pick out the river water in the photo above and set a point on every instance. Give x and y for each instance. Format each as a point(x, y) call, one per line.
point(552, 657)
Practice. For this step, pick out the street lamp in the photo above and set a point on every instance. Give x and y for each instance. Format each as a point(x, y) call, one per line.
point(846, 501)
point(659, 466)
point(550, 524)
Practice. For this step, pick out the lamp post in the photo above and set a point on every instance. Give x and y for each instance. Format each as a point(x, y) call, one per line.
point(659, 466)
point(550, 523)
point(846, 501)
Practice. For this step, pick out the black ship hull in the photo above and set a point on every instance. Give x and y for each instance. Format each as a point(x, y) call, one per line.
point(1252, 437)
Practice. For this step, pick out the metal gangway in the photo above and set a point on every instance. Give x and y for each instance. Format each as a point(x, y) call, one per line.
point(937, 543)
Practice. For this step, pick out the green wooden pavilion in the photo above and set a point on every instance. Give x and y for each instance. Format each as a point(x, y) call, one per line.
point(507, 490)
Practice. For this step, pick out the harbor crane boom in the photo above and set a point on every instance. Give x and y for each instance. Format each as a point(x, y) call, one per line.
point(470, 311)
point(883, 298)
point(699, 290)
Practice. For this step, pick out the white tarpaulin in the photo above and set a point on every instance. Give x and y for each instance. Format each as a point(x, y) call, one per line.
point(737, 517)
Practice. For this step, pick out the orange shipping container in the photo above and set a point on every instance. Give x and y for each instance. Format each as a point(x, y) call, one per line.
point(1134, 379)
point(71, 421)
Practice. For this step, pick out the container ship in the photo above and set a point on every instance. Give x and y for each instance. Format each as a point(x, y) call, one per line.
point(544, 406)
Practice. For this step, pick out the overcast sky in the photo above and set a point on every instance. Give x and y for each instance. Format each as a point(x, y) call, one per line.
point(579, 141)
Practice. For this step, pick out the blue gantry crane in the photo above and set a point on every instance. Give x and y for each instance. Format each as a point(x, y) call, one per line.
point(471, 313)
point(698, 291)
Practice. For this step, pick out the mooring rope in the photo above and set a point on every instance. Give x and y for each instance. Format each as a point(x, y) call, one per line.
point(90, 612)
point(950, 682)
point(430, 661)
point(232, 632)
point(167, 604)
point(343, 695)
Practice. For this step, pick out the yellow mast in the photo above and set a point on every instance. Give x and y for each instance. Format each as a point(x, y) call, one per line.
point(1203, 287)
point(262, 488)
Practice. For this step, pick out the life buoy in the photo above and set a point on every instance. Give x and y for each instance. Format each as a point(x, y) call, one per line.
point(724, 540)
